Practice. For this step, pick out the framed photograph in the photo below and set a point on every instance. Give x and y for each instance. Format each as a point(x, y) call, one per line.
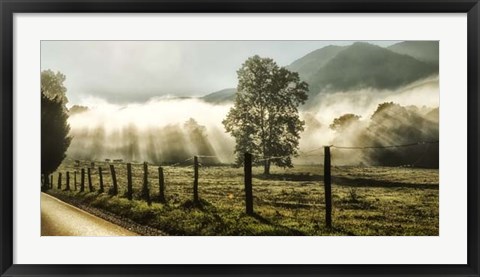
point(254, 138)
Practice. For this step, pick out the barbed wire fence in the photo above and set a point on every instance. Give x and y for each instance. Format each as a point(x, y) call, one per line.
point(249, 161)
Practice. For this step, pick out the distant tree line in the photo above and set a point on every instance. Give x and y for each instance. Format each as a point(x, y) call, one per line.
point(393, 124)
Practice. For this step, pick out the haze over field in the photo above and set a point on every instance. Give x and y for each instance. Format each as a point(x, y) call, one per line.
point(170, 115)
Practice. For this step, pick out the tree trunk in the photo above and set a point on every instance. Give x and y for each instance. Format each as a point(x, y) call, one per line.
point(266, 167)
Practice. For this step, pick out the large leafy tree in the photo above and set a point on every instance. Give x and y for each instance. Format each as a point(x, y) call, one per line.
point(54, 125)
point(264, 119)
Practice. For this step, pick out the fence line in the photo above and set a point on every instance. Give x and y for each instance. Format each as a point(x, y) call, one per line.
point(423, 155)
point(384, 147)
point(182, 162)
point(145, 193)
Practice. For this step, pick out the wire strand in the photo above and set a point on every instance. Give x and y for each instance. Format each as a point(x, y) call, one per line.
point(178, 163)
point(384, 147)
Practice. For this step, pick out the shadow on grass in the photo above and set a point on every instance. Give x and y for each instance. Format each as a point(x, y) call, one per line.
point(290, 177)
point(288, 230)
point(201, 205)
point(208, 208)
point(341, 230)
point(372, 183)
point(351, 182)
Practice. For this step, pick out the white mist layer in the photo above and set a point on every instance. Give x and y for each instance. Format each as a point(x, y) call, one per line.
point(155, 131)
point(153, 122)
point(324, 108)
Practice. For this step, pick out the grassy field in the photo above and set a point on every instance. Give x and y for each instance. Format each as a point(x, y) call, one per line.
point(366, 200)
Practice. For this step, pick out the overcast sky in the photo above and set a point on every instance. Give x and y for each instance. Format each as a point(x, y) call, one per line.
point(134, 71)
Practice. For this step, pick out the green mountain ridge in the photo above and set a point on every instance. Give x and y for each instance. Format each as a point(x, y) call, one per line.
point(363, 65)
point(311, 63)
point(358, 66)
point(425, 51)
point(221, 96)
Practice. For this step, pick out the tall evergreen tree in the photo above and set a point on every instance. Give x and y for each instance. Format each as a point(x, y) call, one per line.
point(54, 128)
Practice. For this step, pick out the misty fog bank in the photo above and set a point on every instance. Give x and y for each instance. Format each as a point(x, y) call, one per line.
point(168, 130)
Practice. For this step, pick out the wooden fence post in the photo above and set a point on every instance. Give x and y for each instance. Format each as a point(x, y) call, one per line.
point(46, 185)
point(59, 186)
point(82, 180)
point(129, 181)
point(195, 179)
point(327, 180)
point(145, 190)
point(68, 181)
point(75, 180)
point(247, 169)
point(90, 185)
point(161, 183)
point(114, 189)
point(100, 175)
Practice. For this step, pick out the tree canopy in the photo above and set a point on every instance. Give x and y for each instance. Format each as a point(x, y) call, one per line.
point(343, 122)
point(54, 125)
point(393, 124)
point(264, 119)
point(52, 85)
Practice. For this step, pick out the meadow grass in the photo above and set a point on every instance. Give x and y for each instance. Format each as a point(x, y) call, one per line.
point(368, 201)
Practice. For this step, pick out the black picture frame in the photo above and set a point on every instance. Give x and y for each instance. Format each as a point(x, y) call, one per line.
point(10, 7)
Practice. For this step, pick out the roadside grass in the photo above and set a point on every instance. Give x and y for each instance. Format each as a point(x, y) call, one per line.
point(366, 201)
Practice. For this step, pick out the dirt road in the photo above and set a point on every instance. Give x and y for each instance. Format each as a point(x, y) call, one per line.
point(62, 219)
